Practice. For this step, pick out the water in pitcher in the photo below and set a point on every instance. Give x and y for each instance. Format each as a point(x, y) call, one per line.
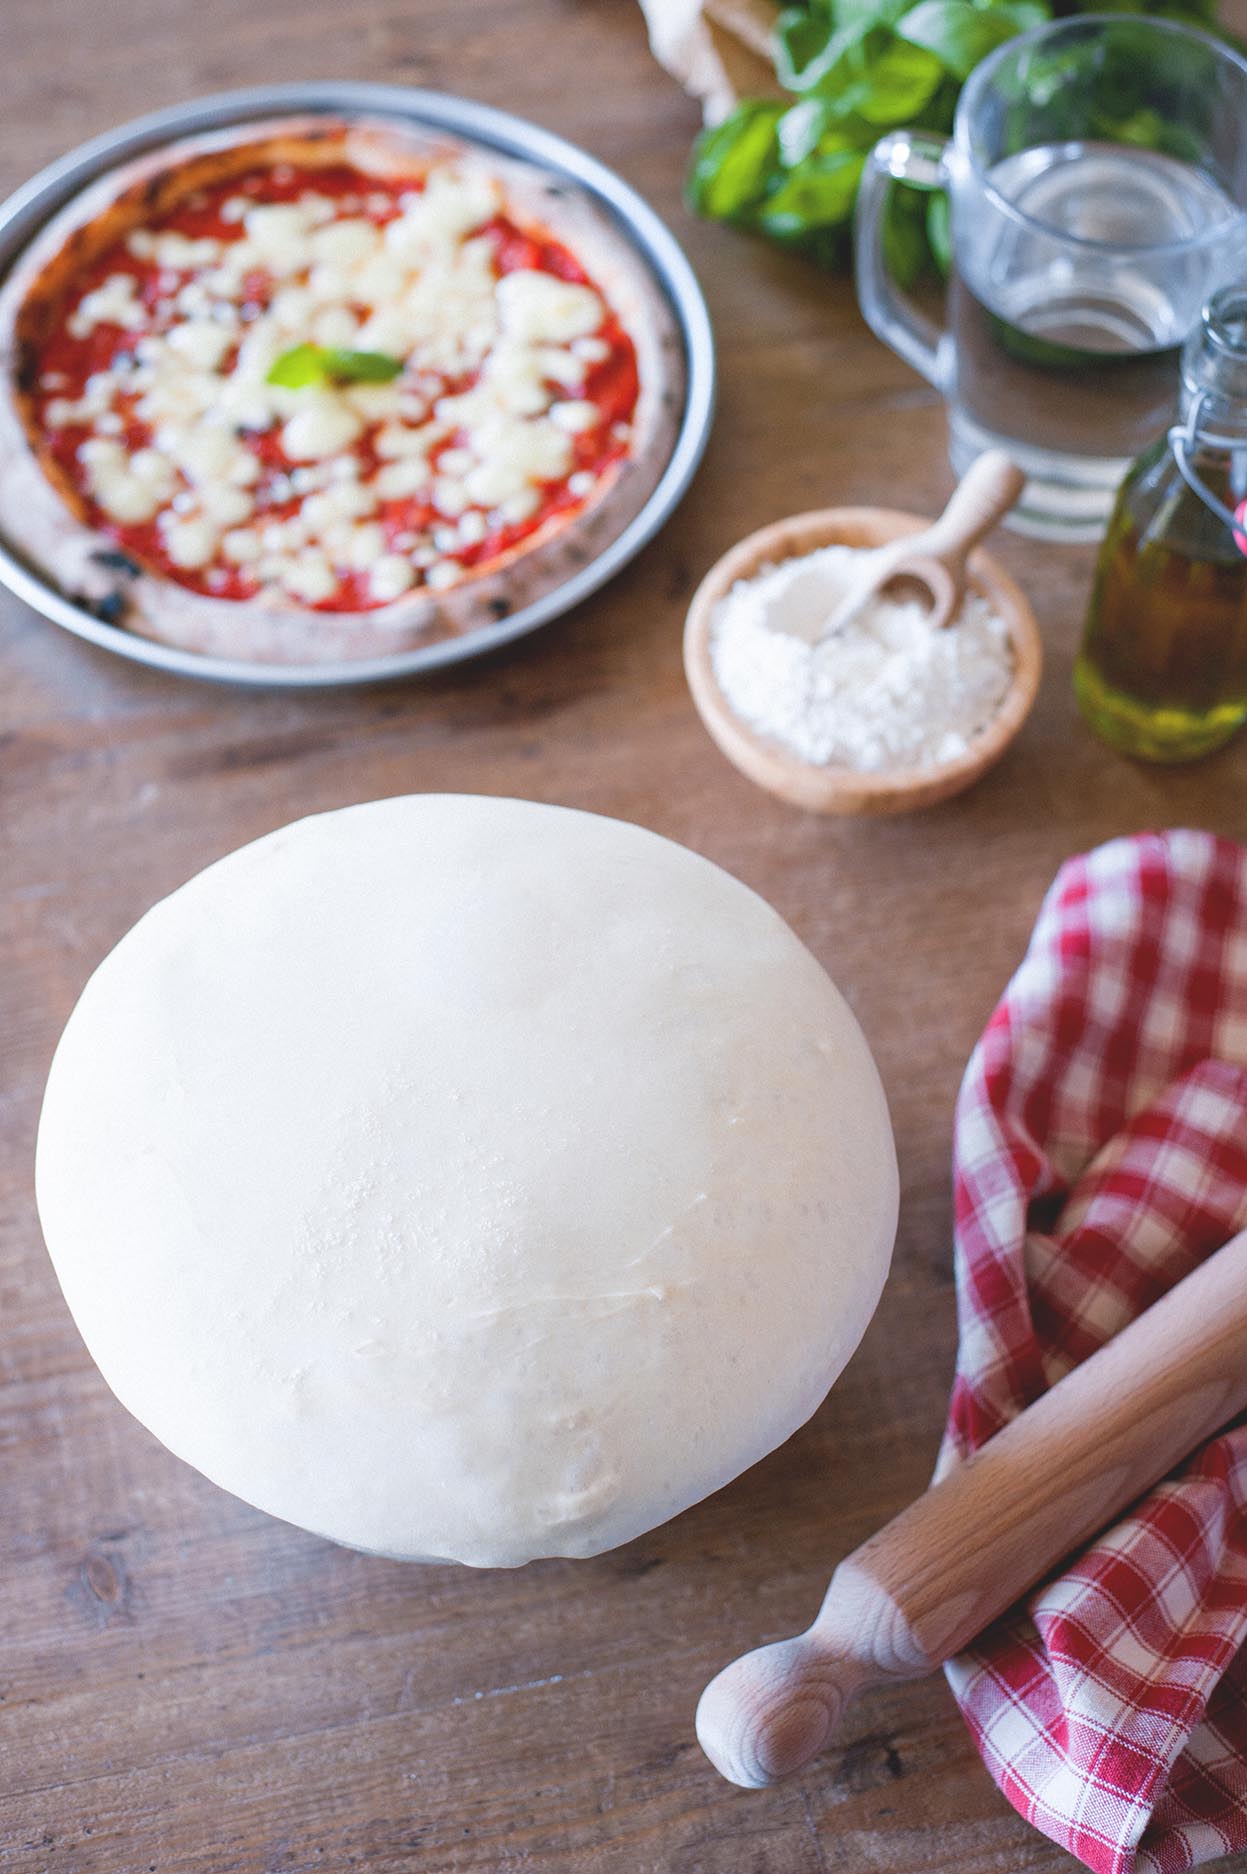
point(1066, 321)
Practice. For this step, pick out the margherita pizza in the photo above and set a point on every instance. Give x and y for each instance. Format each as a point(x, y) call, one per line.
point(311, 390)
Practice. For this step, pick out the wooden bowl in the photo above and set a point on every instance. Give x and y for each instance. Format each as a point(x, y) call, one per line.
point(827, 789)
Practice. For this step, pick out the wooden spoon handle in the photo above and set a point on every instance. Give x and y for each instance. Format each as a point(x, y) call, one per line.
point(954, 1561)
point(984, 495)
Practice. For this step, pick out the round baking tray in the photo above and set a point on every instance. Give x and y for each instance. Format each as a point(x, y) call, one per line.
point(31, 206)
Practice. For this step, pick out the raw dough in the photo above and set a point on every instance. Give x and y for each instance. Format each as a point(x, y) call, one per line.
point(464, 1178)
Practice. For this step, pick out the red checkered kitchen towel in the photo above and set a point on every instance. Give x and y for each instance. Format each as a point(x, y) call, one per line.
point(1101, 1153)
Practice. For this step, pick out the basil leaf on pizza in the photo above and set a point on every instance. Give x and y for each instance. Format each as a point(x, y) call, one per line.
point(304, 365)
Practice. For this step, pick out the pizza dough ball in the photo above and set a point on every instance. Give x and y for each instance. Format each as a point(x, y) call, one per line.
point(463, 1178)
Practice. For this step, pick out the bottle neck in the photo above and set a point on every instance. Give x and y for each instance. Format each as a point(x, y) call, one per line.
point(1214, 374)
point(1212, 422)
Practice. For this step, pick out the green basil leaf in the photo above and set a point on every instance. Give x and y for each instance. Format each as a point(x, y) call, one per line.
point(871, 12)
point(957, 34)
point(802, 129)
point(734, 163)
point(801, 37)
point(1026, 14)
point(895, 86)
point(829, 248)
point(361, 367)
point(939, 231)
point(808, 59)
point(299, 367)
point(905, 252)
point(1146, 129)
point(305, 365)
point(820, 194)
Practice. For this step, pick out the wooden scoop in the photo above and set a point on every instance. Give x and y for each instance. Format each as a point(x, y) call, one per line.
point(954, 1561)
point(937, 558)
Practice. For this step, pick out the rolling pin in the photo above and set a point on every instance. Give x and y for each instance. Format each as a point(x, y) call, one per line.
point(921, 1589)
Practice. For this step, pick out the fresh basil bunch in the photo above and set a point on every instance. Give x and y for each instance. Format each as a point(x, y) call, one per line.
point(856, 68)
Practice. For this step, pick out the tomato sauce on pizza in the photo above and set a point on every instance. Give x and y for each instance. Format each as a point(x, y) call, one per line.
point(326, 388)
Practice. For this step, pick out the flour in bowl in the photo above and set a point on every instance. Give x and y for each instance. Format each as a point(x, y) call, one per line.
point(885, 692)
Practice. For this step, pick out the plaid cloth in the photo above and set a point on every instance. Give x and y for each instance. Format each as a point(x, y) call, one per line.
point(1101, 1152)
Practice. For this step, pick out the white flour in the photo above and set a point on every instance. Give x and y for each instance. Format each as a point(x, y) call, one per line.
point(885, 692)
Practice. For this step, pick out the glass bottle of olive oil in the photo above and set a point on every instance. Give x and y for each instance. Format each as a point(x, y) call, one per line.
point(1162, 672)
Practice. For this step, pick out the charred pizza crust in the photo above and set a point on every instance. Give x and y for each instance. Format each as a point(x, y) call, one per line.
point(45, 518)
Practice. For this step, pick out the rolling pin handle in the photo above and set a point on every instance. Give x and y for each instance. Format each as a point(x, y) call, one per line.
point(772, 1711)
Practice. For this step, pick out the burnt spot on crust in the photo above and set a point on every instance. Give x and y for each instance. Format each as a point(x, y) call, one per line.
point(110, 607)
point(115, 561)
point(26, 368)
point(500, 608)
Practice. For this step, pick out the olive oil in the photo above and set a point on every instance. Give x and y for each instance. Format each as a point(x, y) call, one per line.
point(1162, 673)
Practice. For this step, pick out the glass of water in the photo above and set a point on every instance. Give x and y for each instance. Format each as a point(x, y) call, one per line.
point(1097, 176)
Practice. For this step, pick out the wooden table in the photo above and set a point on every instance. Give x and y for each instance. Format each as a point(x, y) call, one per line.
point(192, 1688)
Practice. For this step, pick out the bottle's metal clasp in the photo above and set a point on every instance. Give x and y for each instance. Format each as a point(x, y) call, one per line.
point(1183, 438)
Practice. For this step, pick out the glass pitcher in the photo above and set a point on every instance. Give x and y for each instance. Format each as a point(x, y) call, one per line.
point(1097, 175)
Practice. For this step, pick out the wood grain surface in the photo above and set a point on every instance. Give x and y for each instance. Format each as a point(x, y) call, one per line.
point(190, 1688)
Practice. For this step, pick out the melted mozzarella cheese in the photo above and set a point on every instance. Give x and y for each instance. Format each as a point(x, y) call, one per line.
point(310, 577)
point(436, 219)
point(450, 497)
point(324, 426)
point(537, 307)
point(345, 243)
point(515, 457)
point(177, 253)
point(190, 543)
point(397, 439)
point(115, 302)
point(394, 481)
point(520, 506)
point(345, 501)
point(95, 402)
point(374, 402)
point(241, 546)
point(363, 547)
point(278, 231)
point(391, 575)
point(130, 489)
point(226, 506)
point(575, 416)
point(205, 342)
point(336, 326)
point(566, 367)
